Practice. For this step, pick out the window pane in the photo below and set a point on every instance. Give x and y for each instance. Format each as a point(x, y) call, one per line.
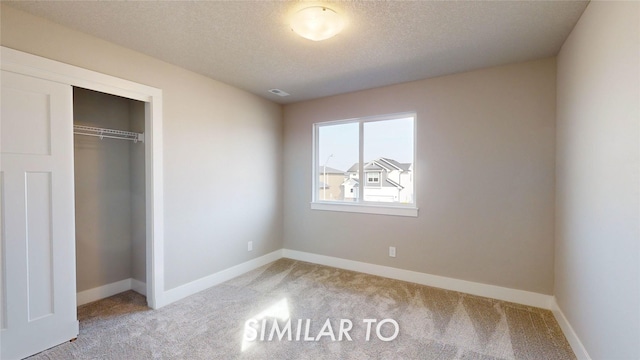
point(388, 161)
point(338, 162)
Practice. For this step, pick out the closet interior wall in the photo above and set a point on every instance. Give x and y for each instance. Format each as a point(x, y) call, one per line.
point(109, 193)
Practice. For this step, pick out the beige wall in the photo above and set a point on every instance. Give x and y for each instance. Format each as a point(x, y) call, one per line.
point(216, 138)
point(484, 172)
point(597, 269)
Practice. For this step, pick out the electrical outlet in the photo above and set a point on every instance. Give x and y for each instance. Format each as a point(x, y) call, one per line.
point(250, 246)
point(392, 251)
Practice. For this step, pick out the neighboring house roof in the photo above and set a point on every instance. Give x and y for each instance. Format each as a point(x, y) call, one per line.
point(388, 164)
point(406, 166)
point(395, 184)
point(353, 168)
point(350, 182)
point(385, 183)
point(374, 166)
point(329, 170)
point(398, 165)
point(382, 164)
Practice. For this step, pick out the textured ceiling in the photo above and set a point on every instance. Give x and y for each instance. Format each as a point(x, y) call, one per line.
point(250, 45)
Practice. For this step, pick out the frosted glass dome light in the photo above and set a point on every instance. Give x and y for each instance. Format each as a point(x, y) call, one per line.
point(316, 23)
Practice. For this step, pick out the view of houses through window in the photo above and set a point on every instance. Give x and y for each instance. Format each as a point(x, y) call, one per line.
point(387, 145)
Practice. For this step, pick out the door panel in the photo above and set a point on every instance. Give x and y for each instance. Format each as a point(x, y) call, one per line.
point(29, 132)
point(39, 244)
point(38, 232)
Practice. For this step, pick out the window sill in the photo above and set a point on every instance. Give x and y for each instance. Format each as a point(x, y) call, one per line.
point(366, 209)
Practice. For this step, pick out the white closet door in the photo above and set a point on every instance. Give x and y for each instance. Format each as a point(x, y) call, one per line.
point(38, 281)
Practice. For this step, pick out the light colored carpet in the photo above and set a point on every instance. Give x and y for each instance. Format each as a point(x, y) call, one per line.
point(433, 323)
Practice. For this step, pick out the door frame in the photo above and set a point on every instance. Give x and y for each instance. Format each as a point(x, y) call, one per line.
point(39, 67)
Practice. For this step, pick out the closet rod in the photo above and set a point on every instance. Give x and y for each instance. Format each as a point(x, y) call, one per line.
point(108, 133)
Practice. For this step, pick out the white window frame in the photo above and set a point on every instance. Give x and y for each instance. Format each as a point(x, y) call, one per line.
point(361, 206)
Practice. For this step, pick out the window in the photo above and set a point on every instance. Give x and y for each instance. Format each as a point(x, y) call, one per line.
point(382, 148)
point(373, 177)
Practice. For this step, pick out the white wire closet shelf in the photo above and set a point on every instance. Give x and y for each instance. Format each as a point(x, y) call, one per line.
point(108, 133)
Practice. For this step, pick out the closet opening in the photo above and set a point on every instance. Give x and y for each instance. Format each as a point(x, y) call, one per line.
point(110, 204)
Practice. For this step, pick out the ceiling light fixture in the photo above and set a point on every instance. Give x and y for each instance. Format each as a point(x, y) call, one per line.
point(317, 23)
point(278, 92)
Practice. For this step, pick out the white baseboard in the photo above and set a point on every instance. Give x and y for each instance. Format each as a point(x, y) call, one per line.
point(104, 291)
point(490, 291)
point(569, 333)
point(138, 286)
point(206, 282)
point(528, 298)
